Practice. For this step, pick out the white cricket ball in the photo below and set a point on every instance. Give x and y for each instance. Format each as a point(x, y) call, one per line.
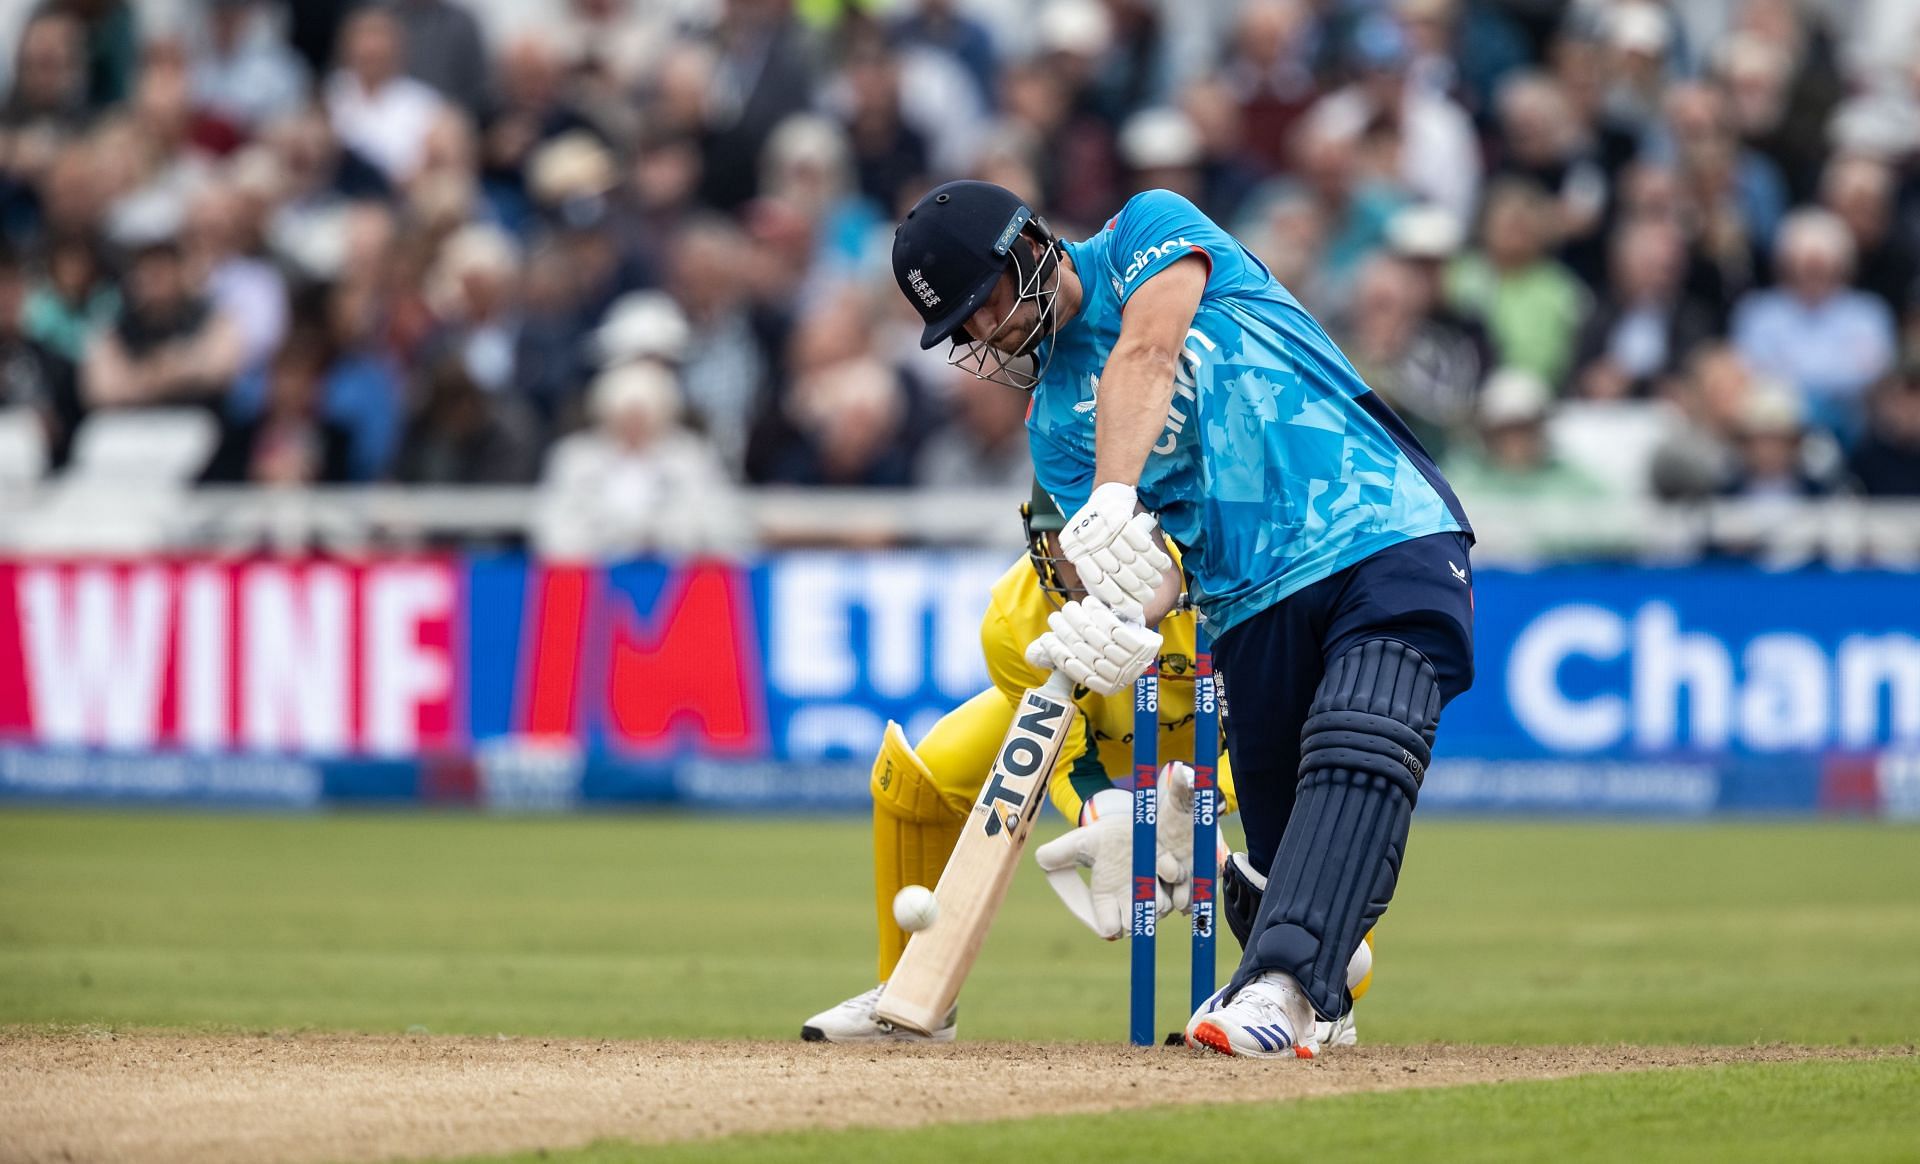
point(915, 909)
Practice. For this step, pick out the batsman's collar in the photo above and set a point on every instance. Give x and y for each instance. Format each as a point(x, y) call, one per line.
point(952, 248)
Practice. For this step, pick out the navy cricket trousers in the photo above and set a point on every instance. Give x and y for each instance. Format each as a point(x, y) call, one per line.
point(1418, 592)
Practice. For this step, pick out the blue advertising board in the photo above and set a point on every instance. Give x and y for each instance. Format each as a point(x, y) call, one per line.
point(767, 683)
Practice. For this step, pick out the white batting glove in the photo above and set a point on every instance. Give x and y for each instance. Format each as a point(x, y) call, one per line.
point(1095, 647)
point(1102, 845)
point(1113, 550)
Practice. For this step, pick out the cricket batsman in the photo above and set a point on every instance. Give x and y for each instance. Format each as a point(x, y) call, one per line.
point(922, 796)
point(1181, 393)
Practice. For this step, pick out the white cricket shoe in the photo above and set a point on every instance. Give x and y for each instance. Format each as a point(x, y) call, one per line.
point(1341, 1032)
point(853, 1021)
point(1269, 1019)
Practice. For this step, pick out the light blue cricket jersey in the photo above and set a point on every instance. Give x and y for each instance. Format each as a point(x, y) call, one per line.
point(1277, 465)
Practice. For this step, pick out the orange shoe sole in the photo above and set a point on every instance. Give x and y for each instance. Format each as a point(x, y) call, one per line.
point(1214, 1039)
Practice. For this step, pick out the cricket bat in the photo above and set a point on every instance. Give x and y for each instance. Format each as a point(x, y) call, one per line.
point(974, 883)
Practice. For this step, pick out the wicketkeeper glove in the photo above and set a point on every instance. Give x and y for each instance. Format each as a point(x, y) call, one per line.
point(1174, 861)
point(1102, 845)
point(1113, 550)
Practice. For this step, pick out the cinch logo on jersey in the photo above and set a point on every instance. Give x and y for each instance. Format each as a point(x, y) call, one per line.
point(1186, 374)
point(1142, 258)
point(920, 287)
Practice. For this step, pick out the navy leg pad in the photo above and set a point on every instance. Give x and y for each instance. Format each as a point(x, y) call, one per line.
point(1364, 752)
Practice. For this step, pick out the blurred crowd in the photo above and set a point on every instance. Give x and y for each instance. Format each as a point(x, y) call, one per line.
point(636, 250)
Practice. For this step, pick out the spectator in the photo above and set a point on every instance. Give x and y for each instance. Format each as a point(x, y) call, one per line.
point(32, 375)
point(612, 46)
point(1353, 210)
point(443, 191)
point(1887, 460)
point(1426, 368)
point(1461, 49)
point(45, 110)
point(444, 48)
point(1288, 233)
point(222, 246)
point(848, 416)
point(1545, 142)
point(113, 46)
point(1719, 261)
point(169, 345)
point(376, 110)
point(360, 389)
point(1638, 36)
point(660, 192)
point(1513, 460)
point(1861, 190)
point(1827, 341)
point(317, 177)
point(243, 74)
point(362, 385)
point(1438, 160)
point(551, 355)
point(1772, 462)
point(1577, 59)
point(1163, 150)
point(762, 73)
point(1698, 458)
point(728, 363)
point(1786, 98)
point(1054, 98)
point(642, 325)
point(461, 434)
point(1228, 173)
point(1646, 324)
point(889, 156)
point(313, 29)
point(1427, 239)
point(49, 89)
point(983, 445)
point(72, 301)
point(1722, 173)
point(1269, 72)
point(1530, 304)
point(572, 180)
point(808, 172)
point(637, 480)
point(472, 292)
point(530, 109)
point(940, 25)
point(150, 163)
point(289, 442)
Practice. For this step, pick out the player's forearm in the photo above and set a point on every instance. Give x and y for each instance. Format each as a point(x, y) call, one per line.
point(1136, 390)
point(1164, 599)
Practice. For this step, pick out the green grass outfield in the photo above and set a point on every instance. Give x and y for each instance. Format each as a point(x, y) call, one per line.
point(671, 926)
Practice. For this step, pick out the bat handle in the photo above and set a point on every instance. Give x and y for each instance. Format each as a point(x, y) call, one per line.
point(1058, 686)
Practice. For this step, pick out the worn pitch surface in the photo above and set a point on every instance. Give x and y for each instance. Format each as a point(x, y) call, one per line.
point(279, 1099)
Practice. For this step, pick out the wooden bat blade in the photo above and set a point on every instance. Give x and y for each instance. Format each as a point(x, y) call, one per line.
point(974, 883)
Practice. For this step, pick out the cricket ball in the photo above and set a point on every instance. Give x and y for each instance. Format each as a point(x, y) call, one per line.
point(915, 909)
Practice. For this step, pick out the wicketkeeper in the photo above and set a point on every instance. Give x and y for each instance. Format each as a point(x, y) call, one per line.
point(1179, 389)
point(922, 795)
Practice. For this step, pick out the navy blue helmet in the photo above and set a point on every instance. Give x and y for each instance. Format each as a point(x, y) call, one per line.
point(950, 252)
